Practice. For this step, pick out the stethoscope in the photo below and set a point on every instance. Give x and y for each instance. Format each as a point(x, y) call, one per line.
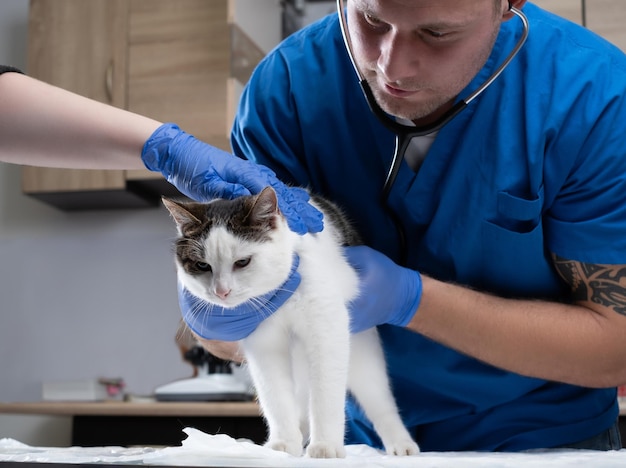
point(405, 133)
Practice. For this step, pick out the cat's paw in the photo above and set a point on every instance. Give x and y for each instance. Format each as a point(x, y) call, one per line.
point(325, 450)
point(292, 447)
point(402, 447)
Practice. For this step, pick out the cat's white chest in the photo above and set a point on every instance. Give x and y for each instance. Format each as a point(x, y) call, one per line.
point(328, 283)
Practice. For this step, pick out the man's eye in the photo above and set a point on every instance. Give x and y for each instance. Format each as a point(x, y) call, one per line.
point(372, 20)
point(203, 266)
point(244, 262)
point(436, 34)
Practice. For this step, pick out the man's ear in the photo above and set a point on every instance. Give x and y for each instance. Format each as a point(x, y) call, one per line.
point(512, 3)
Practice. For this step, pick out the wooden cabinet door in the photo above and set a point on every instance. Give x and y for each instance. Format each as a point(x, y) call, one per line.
point(78, 45)
point(179, 63)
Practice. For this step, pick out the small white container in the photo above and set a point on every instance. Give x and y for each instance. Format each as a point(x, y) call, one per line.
point(79, 390)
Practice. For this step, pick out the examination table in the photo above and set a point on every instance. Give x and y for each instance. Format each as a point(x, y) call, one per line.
point(201, 449)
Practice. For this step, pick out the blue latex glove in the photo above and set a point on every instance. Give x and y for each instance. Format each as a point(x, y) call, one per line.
point(213, 322)
point(203, 172)
point(389, 293)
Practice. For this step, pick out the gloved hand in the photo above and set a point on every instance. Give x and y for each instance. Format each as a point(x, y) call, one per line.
point(389, 293)
point(212, 322)
point(203, 172)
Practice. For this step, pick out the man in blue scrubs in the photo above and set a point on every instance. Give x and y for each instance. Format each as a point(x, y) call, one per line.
point(506, 327)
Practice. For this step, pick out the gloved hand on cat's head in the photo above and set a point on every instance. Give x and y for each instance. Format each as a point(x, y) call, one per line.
point(204, 172)
point(389, 293)
point(212, 322)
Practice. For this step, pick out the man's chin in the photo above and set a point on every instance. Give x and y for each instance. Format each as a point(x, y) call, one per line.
point(421, 113)
point(407, 113)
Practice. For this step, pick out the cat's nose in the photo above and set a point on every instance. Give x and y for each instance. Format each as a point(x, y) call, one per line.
point(222, 293)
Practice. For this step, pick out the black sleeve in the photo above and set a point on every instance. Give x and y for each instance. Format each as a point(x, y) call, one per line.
point(6, 68)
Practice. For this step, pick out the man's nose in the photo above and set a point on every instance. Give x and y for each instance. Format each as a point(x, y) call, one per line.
point(398, 57)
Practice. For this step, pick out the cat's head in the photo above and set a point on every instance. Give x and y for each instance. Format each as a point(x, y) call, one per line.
point(230, 251)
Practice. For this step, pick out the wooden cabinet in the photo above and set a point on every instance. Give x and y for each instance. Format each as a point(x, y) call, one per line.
point(175, 61)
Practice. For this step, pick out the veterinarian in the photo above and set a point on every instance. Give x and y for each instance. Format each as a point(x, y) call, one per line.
point(505, 326)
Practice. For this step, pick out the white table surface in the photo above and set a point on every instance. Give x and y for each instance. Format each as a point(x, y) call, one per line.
point(200, 449)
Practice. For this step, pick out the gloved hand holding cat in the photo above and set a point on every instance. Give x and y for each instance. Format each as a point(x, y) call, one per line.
point(204, 172)
point(389, 293)
point(213, 322)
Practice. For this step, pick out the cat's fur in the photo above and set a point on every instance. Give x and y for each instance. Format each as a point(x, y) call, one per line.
point(302, 358)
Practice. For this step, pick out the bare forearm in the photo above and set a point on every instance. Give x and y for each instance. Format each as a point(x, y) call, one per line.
point(227, 350)
point(553, 341)
point(44, 125)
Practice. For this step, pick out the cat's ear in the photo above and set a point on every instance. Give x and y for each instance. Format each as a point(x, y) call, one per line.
point(180, 214)
point(265, 207)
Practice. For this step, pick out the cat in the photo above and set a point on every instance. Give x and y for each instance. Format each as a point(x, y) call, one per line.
point(302, 359)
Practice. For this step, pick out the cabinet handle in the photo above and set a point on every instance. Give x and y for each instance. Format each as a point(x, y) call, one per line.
point(109, 82)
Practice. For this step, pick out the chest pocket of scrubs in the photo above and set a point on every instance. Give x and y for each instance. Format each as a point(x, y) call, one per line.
point(518, 214)
point(514, 260)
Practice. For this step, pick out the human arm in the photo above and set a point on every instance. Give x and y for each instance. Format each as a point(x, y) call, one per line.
point(227, 350)
point(581, 343)
point(44, 125)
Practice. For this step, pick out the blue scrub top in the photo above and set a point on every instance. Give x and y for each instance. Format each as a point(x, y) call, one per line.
point(536, 164)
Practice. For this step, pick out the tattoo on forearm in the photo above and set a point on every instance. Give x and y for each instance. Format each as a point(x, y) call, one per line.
point(601, 284)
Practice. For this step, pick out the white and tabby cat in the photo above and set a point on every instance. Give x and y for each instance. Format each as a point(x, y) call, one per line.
point(302, 359)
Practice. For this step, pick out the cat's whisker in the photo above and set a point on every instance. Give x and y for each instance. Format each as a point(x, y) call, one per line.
point(290, 291)
point(200, 313)
point(261, 306)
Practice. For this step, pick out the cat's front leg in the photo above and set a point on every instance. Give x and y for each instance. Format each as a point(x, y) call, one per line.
point(268, 358)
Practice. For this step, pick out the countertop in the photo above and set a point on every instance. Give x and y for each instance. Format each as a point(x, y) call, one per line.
point(122, 408)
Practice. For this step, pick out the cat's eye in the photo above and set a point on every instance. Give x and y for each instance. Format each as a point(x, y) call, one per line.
point(244, 262)
point(203, 266)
